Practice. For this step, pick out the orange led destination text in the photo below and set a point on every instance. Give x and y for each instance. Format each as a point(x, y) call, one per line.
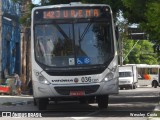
point(81, 13)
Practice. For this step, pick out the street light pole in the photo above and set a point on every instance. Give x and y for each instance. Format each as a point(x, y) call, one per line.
point(121, 50)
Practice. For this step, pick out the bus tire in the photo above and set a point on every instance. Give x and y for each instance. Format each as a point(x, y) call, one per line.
point(154, 84)
point(42, 103)
point(102, 101)
point(134, 86)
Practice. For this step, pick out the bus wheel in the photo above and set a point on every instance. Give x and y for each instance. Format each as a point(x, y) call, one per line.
point(42, 103)
point(154, 84)
point(102, 101)
point(134, 86)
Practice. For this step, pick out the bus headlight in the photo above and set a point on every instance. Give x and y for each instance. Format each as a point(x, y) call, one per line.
point(41, 78)
point(108, 77)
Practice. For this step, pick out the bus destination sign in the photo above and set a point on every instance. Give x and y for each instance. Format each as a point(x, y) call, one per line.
point(71, 13)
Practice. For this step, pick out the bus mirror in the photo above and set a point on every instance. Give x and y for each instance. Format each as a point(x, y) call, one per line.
point(117, 33)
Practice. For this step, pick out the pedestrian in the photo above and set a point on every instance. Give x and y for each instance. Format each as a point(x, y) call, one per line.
point(18, 83)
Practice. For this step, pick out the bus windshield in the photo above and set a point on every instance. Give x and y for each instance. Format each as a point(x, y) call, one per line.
point(86, 43)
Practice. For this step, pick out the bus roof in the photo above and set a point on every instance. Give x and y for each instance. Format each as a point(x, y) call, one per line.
point(72, 4)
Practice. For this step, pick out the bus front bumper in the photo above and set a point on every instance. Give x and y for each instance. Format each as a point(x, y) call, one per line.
point(92, 89)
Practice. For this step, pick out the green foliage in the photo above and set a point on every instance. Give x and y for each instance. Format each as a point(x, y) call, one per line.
point(17, 1)
point(152, 26)
point(142, 53)
point(25, 19)
point(134, 10)
point(147, 14)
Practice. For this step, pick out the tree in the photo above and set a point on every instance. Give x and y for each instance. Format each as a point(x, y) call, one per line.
point(134, 10)
point(152, 26)
point(146, 13)
point(142, 53)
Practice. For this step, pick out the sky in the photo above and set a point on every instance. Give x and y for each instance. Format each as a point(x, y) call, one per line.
point(35, 1)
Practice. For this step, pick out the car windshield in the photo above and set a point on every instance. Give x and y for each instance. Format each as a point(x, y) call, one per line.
point(73, 44)
point(125, 74)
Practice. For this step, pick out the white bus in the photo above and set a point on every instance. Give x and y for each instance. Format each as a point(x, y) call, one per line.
point(148, 75)
point(73, 54)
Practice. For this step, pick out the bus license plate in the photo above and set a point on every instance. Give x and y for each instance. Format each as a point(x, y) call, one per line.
point(77, 93)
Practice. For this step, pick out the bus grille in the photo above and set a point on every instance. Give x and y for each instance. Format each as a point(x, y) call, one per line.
point(123, 81)
point(87, 89)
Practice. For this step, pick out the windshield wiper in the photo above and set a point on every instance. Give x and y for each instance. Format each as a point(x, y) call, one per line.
point(61, 31)
point(84, 33)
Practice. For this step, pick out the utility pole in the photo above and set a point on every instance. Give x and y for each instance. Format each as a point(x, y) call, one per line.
point(121, 49)
point(25, 45)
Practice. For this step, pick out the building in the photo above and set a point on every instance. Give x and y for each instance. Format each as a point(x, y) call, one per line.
point(14, 40)
point(10, 40)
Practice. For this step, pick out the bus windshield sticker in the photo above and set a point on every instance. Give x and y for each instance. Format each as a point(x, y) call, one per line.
point(71, 61)
point(83, 60)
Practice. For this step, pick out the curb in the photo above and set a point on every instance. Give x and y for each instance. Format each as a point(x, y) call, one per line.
point(17, 103)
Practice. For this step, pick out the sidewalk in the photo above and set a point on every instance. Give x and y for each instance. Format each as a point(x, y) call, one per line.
point(157, 110)
point(8, 98)
point(17, 103)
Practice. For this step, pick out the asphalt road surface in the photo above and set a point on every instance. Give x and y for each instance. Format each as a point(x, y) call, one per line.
point(134, 104)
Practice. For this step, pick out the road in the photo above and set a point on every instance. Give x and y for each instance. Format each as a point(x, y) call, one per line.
point(127, 105)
